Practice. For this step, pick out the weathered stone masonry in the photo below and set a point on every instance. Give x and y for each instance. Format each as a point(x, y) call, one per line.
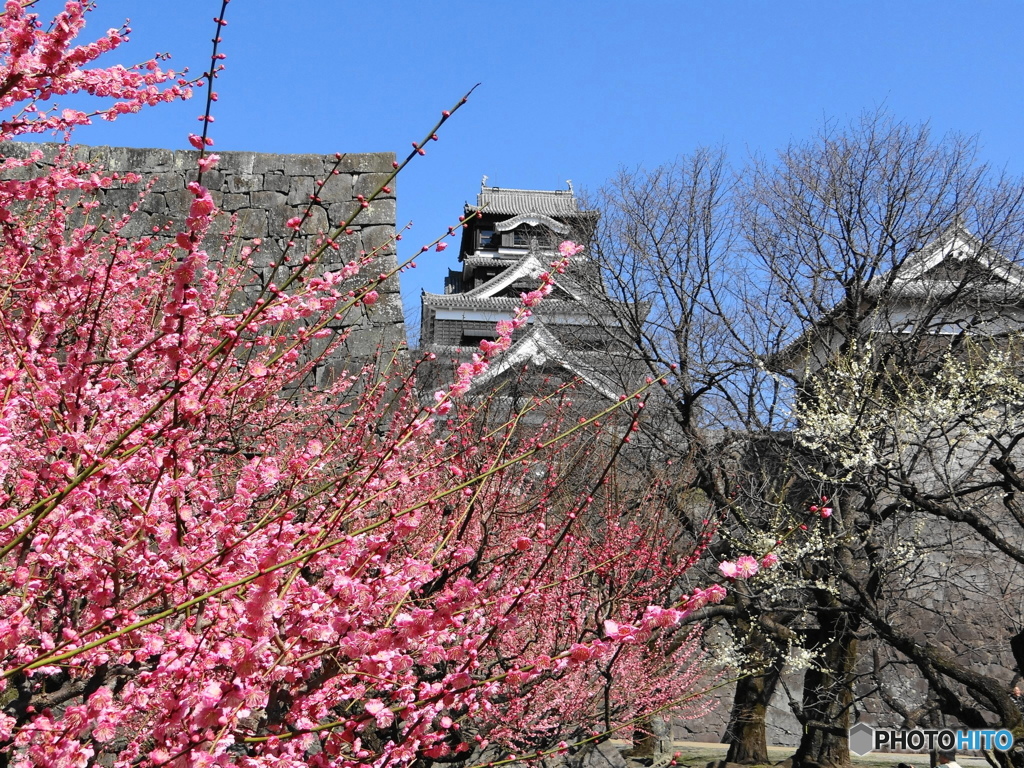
point(262, 192)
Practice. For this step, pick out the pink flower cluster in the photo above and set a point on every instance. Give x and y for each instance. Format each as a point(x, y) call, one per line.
point(39, 62)
point(823, 511)
point(209, 561)
point(745, 566)
point(742, 568)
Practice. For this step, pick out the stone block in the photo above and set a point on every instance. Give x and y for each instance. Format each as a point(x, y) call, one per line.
point(148, 161)
point(80, 153)
point(603, 755)
point(339, 212)
point(109, 158)
point(389, 311)
point(160, 160)
point(278, 217)
point(185, 160)
point(23, 173)
point(273, 244)
point(267, 199)
point(154, 203)
point(367, 162)
point(317, 221)
point(338, 189)
point(247, 182)
point(178, 202)
point(140, 225)
point(211, 179)
point(329, 373)
point(367, 183)
point(168, 181)
point(238, 162)
point(268, 164)
point(299, 190)
point(252, 223)
point(362, 344)
point(380, 237)
point(17, 149)
point(23, 151)
point(379, 212)
point(314, 224)
point(219, 226)
point(304, 165)
point(120, 199)
point(233, 203)
point(317, 347)
point(391, 284)
point(348, 250)
point(276, 182)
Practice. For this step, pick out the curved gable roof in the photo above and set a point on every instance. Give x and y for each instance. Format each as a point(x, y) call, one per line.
point(538, 347)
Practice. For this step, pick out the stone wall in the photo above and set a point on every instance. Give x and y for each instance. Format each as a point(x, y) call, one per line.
point(260, 192)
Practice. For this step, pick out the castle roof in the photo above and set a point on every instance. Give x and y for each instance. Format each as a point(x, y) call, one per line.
point(955, 264)
point(540, 346)
point(514, 202)
point(504, 303)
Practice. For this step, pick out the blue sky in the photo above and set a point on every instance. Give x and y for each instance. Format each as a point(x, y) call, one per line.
point(571, 90)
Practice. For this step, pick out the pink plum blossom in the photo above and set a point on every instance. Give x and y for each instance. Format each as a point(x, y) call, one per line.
point(207, 162)
point(742, 568)
point(234, 551)
point(746, 566)
point(715, 594)
point(568, 249)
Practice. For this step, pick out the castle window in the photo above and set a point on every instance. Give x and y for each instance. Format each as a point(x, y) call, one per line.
point(485, 238)
point(470, 340)
point(527, 237)
point(590, 343)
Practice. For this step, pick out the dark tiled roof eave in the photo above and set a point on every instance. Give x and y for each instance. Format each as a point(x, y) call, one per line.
point(457, 301)
point(512, 202)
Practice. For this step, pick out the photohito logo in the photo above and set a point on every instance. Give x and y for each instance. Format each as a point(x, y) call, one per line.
point(865, 739)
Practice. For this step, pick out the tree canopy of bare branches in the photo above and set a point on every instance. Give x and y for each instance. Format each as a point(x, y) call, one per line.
point(804, 305)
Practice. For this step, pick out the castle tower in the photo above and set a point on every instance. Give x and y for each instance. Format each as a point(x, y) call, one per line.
point(510, 237)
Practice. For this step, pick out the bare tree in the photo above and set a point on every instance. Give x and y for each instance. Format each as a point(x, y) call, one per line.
point(746, 289)
point(675, 284)
point(883, 245)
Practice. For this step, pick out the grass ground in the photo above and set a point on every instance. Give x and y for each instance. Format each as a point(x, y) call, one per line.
point(698, 754)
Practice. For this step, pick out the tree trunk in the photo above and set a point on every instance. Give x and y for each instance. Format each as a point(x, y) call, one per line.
point(746, 734)
point(828, 697)
point(644, 740)
point(650, 737)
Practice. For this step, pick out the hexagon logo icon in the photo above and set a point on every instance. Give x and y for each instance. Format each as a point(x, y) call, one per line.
point(862, 739)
